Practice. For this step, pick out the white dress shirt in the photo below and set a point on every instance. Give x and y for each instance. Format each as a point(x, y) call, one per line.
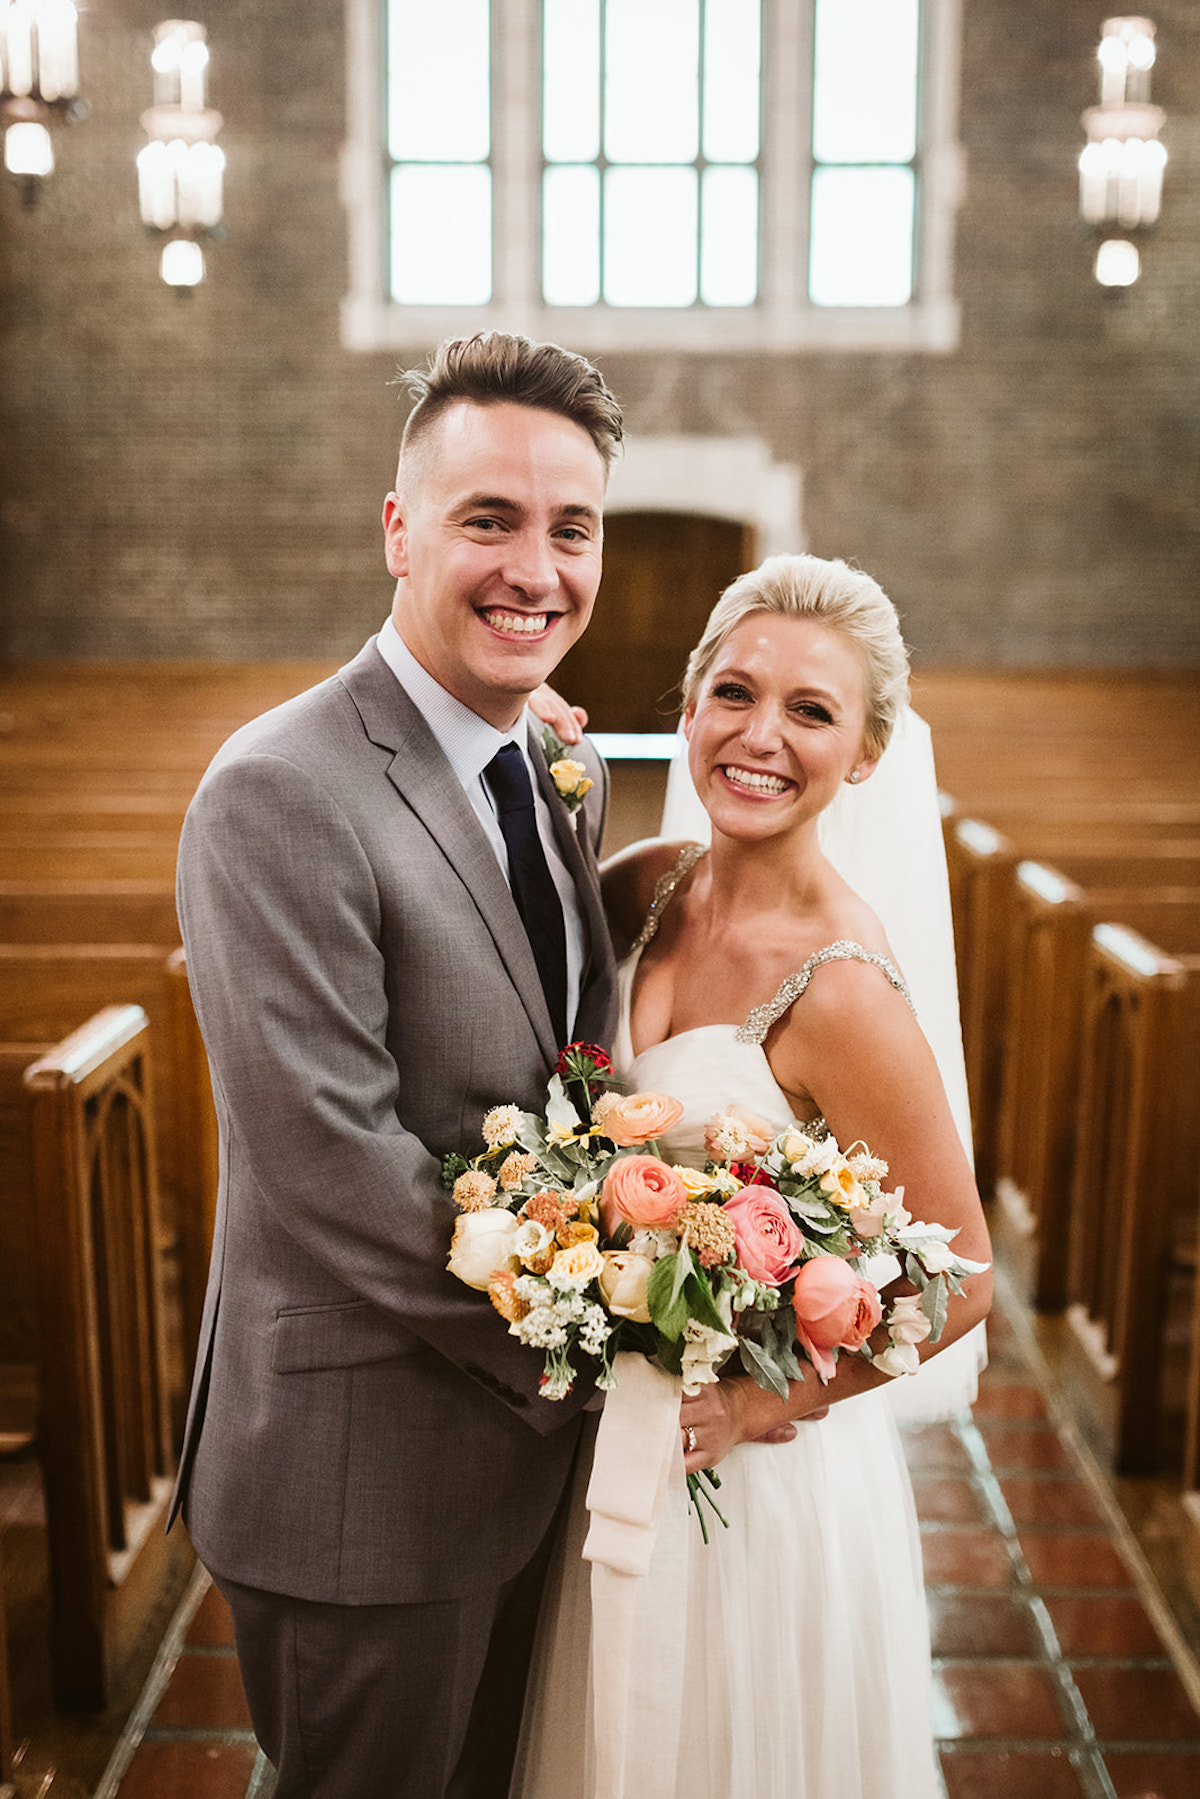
point(468, 743)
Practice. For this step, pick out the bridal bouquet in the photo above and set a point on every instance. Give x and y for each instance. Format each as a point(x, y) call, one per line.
point(778, 1248)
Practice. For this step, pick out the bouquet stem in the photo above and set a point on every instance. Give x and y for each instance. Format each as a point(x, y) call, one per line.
point(699, 1497)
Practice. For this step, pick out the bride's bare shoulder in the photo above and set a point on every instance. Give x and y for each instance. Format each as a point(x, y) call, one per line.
point(628, 880)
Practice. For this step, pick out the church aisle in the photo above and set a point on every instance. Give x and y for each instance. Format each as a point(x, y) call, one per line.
point(1054, 1669)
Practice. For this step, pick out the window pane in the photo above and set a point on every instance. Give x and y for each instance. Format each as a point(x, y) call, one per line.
point(652, 67)
point(571, 237)
point(861, 237)
point(438, 80)
point(571, 80)
point(650, 237)
point(731, 80)
point(442, 235)
point(729, 238)
point(865, 85)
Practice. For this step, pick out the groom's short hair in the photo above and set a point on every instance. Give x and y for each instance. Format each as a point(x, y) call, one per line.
point(497, 366)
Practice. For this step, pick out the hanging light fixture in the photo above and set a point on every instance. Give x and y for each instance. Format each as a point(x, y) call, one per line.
point(39, 81)
point(1121, 166)
point(181, 170)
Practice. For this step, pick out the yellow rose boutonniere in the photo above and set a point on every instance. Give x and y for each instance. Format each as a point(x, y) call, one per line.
point(570, 777)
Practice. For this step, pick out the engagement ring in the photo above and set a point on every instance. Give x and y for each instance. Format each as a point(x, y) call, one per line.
point(689, 1439)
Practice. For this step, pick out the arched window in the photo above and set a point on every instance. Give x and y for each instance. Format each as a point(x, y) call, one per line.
point(624, 174)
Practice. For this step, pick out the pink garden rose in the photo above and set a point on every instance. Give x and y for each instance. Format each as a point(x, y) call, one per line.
point(643, 1192)
point(835, 1309)
point(769, 1240)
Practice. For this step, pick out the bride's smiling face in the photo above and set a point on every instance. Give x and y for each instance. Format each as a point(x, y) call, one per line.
point(778, 724)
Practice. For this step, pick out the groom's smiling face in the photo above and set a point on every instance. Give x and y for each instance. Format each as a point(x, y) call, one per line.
point(494, 537)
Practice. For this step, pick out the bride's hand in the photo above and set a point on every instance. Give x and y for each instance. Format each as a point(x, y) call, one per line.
point(567, 722)
point(729, 1412)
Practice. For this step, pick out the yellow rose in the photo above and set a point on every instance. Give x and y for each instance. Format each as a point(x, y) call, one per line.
point(570, 778)
point(695, 1184)
point(842, 1187)
point(576, 1266)
point(623, 1283)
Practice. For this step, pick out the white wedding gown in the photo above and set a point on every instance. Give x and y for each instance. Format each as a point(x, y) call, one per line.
point(788, 1658)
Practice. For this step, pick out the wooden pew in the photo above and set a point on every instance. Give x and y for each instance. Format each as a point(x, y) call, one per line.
point(980, 863)
point(45, 991)
point(88, 911)
point(19, 1328)
point(106, 1450)
point(1134, 1180)
point(1043, 1035)
point(7, 1741)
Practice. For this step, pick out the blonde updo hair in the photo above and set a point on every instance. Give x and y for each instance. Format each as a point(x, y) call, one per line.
point(834, 594)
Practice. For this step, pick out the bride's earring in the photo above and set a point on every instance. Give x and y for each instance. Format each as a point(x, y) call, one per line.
point(854, 777)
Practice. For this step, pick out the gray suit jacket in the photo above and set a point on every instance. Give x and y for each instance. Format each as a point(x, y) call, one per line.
point(362, 1428)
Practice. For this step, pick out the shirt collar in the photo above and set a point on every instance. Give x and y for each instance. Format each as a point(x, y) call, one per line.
point(467, 741)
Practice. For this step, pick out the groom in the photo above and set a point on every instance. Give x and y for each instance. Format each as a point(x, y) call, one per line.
point(392, 924)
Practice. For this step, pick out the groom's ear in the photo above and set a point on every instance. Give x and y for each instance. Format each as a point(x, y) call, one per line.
point(395, 536)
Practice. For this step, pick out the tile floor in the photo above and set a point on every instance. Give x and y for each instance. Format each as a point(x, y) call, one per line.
point(1058, 1672)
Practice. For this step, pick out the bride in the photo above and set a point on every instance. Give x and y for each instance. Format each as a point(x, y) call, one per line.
point(788, 1658)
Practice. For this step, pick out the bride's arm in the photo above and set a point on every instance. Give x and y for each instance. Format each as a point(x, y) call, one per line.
point(861, 1055)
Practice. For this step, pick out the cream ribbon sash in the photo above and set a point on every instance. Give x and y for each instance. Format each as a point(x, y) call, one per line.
point(637, 1664)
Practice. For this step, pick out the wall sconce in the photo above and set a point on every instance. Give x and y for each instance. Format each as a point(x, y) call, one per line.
point(1121, 167)
point(181, 170)
point(39, 80)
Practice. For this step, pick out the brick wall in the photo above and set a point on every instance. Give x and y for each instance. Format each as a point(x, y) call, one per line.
point(202, 475)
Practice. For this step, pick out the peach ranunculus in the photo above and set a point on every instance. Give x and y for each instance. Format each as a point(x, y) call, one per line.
point(641, 1191)
point(734, 1135)
point(623, 1284)
point(640, 1117)
point(835, 1309)
point(769, 1240)
point(483, 1245)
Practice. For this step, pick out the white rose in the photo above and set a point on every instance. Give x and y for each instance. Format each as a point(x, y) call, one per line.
point(482, 1246)
point(623, 1284)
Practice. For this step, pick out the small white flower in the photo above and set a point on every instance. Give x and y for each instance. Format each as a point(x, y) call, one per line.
point(897, 1359)
point(704, 1350)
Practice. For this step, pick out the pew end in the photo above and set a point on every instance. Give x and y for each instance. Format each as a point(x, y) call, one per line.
point(106, 1448)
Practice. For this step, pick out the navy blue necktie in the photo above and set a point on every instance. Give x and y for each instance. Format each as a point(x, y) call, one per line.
point(529, 876)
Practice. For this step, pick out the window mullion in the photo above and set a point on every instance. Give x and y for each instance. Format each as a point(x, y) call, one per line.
point(786, 155)
point(516, 154)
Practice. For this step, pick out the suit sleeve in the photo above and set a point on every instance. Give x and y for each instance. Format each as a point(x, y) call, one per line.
point(281, 918)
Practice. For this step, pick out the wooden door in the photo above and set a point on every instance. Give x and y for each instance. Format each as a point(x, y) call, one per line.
point(663, 572)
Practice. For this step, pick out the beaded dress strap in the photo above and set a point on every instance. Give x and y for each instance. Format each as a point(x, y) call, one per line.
point(844, 950)
point(664, 887)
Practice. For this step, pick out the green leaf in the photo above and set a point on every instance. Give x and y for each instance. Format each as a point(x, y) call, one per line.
point(779, 1333)
point(664, 1296)
point(915, 1272)
point(759, 1365)
point(700, 1304)
point(934, 1303)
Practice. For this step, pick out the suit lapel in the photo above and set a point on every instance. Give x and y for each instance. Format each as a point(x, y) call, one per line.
point(575, 847)
point(421, 775)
